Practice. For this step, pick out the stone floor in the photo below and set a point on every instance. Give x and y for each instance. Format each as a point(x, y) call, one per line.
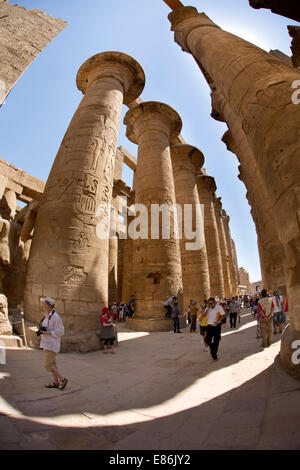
point(159, 391)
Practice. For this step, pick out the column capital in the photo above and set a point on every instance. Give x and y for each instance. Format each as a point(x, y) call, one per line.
point(207, 183)
point(142, 113)
point(117, 65)
point(225, 216)
point(229, 141)
point(218, 205)
point(184, 20)
point(191, 154)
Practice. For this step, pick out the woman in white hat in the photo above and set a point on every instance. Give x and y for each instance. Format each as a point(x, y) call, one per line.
point(50, 342)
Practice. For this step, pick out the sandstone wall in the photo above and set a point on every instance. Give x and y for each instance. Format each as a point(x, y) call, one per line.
point(23, 35)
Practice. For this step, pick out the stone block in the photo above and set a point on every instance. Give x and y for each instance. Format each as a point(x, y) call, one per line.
point(77, 260)
point(59, 306)
point(37, 289)
point(50, 290)
point(68, 292)
point(87, 294)
point(65, 247)
point(95, 307)
point(76, 307)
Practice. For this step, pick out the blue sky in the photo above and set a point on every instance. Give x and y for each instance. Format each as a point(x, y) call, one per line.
point(37, 112)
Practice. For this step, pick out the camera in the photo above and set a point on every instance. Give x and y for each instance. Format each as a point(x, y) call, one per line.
point(40, 330)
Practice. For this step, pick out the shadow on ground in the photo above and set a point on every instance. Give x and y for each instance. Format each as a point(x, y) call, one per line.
point(146, 373)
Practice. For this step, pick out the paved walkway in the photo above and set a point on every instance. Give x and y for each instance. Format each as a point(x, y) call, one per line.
point(159, 391)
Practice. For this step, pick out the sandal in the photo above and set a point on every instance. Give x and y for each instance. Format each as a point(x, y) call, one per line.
point(52, 385)
point(63, 384)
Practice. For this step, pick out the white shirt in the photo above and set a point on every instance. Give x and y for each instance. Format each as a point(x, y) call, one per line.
point(212, 314)
point(278, 308)
point(54, 325)
point(170, 299)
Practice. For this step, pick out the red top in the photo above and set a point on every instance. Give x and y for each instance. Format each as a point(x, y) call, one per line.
point(286, 305)
point(105, 317)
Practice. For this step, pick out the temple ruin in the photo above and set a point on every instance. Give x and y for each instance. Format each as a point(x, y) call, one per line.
point(69, 242)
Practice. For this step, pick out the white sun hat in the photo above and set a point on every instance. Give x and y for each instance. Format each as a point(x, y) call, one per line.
point(48, 299)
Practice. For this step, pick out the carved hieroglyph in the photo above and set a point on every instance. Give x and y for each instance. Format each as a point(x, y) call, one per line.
point(187, 162)
point(270, 248)
point(206, 189)
point(69, 260)
point(156, 262)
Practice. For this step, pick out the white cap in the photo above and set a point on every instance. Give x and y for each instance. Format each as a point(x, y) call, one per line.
point(48, 299)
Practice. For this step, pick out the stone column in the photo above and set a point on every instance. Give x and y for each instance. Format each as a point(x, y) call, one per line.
point(258, 88)
point(235, 263)
point(226, 220)
point(120, 268)
point(271, 250)
point(187, 162)
point(9, 204)
point(206, 188)
point(113, 260)
point(127, 280)
point(156, 261)
point(223, 247)
point(69, 253)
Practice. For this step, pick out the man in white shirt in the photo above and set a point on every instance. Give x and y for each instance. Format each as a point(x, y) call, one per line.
point(50, 342)
point(215, 315)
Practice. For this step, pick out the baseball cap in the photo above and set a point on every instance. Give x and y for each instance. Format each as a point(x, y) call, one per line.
point(48, 299)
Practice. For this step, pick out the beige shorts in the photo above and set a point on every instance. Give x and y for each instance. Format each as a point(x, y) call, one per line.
point(49, 360)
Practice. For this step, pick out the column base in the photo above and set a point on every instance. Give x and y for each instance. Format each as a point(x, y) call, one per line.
point(76, 342)
point(290, 356)
point(153, 324)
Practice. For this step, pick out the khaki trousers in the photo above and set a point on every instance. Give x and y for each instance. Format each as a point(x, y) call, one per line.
point(49, 360)
point(267, 332)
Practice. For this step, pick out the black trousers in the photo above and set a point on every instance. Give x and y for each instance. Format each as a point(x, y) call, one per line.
point(233, 317)
point(193, 323)
point(176, 325)
point(213, 338)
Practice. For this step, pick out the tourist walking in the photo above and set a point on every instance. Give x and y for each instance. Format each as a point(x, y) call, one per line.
point(131, 307)
point(123, 312)
point(233, 310)
point(215, 314)
point(203, 326)
point(51, 330)
point(226, 310)
point(193, 313)
point(115, 311)
point(237, 299)
point(189, 314)
point(265, 310)
point(107, 332)
point(175, 316)
point(278, 318)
